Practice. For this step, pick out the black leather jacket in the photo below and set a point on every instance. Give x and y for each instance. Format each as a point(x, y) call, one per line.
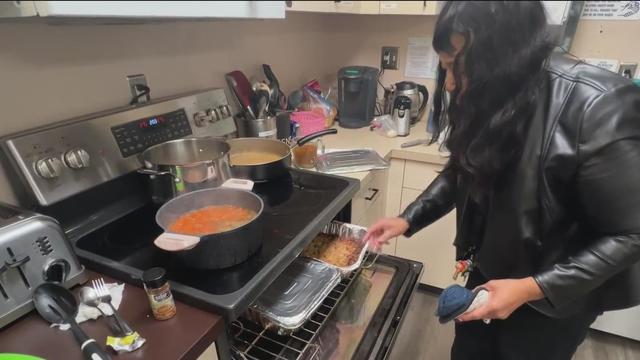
point(570, 213)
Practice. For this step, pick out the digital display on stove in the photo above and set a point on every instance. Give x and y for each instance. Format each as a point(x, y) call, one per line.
point(151, 123)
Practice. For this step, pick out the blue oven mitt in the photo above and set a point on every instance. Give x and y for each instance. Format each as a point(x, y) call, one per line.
point(456, 300)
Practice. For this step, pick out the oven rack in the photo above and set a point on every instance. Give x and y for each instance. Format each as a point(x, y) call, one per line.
point(253, 342)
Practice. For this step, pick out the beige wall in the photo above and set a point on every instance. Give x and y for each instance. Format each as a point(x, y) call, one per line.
point(52, 72)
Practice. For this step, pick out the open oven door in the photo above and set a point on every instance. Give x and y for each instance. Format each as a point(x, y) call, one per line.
point(366, 320)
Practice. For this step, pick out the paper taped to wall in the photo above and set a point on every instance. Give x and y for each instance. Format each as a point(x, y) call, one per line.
point(611, 10)
point(607, 64)
point(422, 59)
point(557, 11)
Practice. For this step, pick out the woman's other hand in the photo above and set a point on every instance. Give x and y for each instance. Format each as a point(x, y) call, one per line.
point(384, 230)
point(505, 296)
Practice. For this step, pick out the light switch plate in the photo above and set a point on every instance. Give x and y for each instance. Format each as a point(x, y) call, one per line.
point(389, 58)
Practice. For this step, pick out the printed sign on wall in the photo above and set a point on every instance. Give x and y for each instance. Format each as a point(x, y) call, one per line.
point(611, 10)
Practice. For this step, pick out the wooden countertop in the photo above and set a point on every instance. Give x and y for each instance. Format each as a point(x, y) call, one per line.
point(185, 336)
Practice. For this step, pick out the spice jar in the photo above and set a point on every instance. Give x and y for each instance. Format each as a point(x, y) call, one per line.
point(159, 293)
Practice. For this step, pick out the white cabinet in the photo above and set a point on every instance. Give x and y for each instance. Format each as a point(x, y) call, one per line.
point(433, 246)
point(409, 7)
point(346, 7)
point(368, 205)
point(144, 9)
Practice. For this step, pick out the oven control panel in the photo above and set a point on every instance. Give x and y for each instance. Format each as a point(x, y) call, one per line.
point(135, 136)
point(66, 158)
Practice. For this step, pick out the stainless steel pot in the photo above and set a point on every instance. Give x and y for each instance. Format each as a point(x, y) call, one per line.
point(272, 170)
point(180, 166)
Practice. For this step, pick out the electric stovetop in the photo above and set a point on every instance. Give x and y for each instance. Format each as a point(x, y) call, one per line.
point(297, 206)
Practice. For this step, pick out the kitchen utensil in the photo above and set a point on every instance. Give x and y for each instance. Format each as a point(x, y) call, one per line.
point(265, 127)
point(261, 105)
point(271, 170)
point(34, 250)
point(295, 295)
point(402, 115)
point(183, 165)
point(57, 305)
point(274, 84)
point(357, 95)
point(259, 85)
point(296, 97)
point(348, 161)
point(241, 87)
point(89, 297)
point(219, 250)
point(417, 93)
point(411, 143)
point(105, 296)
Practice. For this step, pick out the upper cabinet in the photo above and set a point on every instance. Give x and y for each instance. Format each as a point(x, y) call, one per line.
point(367, 7)
point(144, 9)
point(345, 7)
point(409, 7)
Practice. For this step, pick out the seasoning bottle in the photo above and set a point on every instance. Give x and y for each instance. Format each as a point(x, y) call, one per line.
point(160, 298)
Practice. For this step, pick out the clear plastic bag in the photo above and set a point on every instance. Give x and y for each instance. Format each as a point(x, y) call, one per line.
point(384, 125)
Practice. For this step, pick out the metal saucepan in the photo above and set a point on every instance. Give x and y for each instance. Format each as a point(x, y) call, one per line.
point(212, 251)
point(270, 170)
point(180, 166)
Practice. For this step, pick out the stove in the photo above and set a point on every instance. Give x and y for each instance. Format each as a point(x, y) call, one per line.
point(83, 173)
point(297, 206)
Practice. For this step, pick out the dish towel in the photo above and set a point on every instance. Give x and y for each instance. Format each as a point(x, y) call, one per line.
point(89, 312)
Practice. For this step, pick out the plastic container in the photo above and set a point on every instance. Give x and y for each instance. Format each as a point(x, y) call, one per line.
point(309, 121)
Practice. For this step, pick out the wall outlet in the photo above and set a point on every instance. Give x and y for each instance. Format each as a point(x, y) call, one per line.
point(628, 70)
point(137, 79)
point(389, 58)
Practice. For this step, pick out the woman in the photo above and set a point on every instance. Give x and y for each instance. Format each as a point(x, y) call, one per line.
point(544, 174)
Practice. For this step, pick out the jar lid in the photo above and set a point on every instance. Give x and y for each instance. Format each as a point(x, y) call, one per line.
point(154, 277)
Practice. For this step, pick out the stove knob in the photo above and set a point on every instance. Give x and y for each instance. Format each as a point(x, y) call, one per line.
point(77, 158)
point(49, 168)
point(214, 115)
point(226, 112)
point(200, 118)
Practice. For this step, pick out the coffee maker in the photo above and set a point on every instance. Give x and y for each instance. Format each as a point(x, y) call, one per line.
point(356, 95)
point(416, 92)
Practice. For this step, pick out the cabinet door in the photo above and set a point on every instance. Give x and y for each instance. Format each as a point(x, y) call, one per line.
point(408, 7)
point(368, 205)
point(312, 6)
point(345, 7)
point(432, 246)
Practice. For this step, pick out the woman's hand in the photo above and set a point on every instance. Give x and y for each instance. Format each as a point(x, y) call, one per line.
point(505, 296)
point(383, 230)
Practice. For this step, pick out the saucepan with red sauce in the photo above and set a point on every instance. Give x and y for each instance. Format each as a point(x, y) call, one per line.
point(212, 228)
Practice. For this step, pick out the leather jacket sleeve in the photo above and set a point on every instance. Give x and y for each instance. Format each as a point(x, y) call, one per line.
point(435, 202)
point(608, 198)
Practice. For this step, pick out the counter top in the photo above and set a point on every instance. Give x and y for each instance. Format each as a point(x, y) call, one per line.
point(387, 147)
point(185, 336)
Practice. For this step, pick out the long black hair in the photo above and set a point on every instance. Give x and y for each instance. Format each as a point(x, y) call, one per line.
point(502, 65)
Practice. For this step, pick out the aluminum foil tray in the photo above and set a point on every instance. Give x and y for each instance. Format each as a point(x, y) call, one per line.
point(347, 161)
point(294, 296)
point(354, 232)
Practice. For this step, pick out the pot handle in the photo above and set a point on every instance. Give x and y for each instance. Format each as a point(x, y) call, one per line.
point(176, 242)
point(425, 99)
point(159, 173)
point(315, 135)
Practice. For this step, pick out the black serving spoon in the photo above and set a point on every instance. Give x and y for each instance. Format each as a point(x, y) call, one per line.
point(57, 305)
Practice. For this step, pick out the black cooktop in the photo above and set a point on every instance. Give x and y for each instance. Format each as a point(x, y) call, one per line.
point(297, 206)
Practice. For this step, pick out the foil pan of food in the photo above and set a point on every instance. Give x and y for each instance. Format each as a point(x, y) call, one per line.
point(294, 296)
point(341, 245)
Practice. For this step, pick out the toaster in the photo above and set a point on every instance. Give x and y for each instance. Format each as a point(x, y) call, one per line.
point(33, 250)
